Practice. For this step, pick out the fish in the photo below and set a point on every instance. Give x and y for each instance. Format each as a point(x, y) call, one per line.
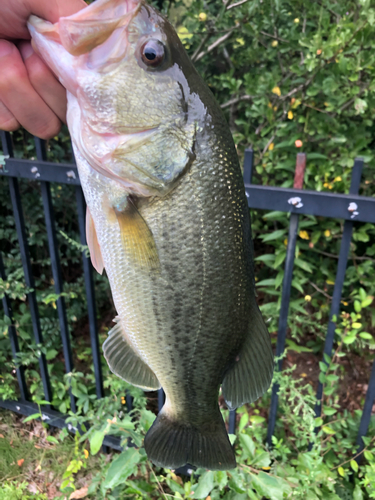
point(168, 220)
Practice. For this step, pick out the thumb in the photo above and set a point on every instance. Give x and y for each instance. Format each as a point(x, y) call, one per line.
point(15, 13)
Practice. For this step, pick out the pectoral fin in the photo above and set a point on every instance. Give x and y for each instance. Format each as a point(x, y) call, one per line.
point(137, 238)
point(252, 372)
point(125, 362)
point(93, 243)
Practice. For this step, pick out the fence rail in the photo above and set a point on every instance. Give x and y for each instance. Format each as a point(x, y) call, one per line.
point(297, 201)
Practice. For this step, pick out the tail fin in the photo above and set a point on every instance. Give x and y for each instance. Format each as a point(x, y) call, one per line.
point(172, 444)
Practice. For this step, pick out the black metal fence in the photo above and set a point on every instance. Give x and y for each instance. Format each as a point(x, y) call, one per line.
point(350, 207)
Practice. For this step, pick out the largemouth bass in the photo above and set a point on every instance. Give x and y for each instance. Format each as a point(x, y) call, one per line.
point(167, 219)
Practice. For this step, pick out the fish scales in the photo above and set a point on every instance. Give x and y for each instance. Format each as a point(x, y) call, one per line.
point(167, 219)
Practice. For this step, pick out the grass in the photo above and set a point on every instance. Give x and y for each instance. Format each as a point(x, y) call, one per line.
point(30, 465)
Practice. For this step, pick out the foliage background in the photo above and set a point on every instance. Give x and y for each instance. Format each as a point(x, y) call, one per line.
point(283, 71)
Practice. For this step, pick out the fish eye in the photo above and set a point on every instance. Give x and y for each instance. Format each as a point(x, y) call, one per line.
point(153, 53)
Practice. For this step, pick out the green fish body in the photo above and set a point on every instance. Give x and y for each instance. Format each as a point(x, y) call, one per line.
point(167, 219)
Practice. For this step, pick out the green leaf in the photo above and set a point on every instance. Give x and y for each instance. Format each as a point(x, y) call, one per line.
point(341, 471)
point(368, 455)
point(268, 257)
point(96, 441)
point(279, 259)
point(205, 485)
point(262, 460)
point(270, 486)
point(50, 354)
point(122, 467)
point(243, 421)
point(323, 367)
point(328, 430)
point(349, 339)
point(303, 265)
point(269, 282)
point(367, 301)
point(366, 335)
point(292, 346)
point(296, 284)
point(52, 439)
point(354, 465)
point(318, 422)
point(221, 478)
point(329, 411)
point(357, 306)
point(276, 215)
point(257, 419)
point(358, 493)
point(247, 444)
point(278, 234)
point(31, 417)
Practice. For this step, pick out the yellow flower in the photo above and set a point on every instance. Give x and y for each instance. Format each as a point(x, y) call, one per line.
point(270, 105)
point(266, 468)
point(271, 146)
point(303, 375)
point(286, 241)
point(330, 282)
point(202, 16)
point(296, 20)
point(275, 43)
point(304, 235)
point(86, 453)
point(276, 90)
point(290, 115)
point(327, 233)
point(337, 179)
point(308, 298)
point(344, 303)
point(275, 108)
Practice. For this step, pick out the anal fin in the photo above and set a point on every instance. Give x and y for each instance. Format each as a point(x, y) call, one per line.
point(137, 237)
point(252, 372)
point(93, 244)
point(125, 363)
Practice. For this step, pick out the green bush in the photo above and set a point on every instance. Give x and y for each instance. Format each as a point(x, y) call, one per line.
point(290, 76)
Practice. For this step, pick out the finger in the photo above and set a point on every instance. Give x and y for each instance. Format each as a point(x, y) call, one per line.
point(43, 81)
point(20, 98)
point(15, 13)
point(7, 120)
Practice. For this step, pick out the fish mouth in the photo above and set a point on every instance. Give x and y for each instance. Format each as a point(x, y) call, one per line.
point(88, 28)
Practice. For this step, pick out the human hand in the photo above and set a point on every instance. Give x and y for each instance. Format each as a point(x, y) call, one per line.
point(30, 95)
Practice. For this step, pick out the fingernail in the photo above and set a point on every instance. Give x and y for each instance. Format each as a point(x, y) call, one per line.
point(27, 51)
point(5, 48)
